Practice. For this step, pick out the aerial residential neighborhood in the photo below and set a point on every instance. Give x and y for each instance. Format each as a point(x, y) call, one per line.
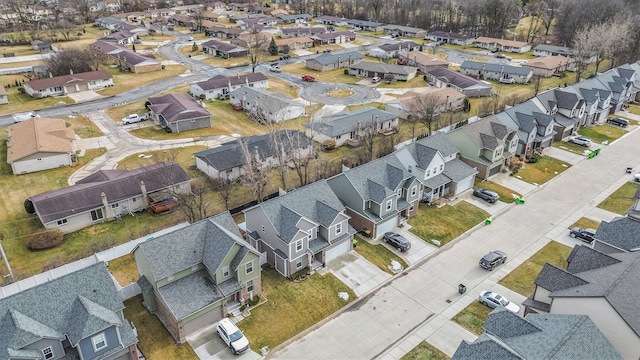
point(319, 180)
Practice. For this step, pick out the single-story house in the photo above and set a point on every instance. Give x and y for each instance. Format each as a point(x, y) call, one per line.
point(388, 51)
point(503, 45)
point(294, 32)
point(421, 60)
point(4, 98)
point(223, 32)
point(450, 38)
point(543, 50)
point(40, 46)
point(365, 25)
point(549, 65)
point(178, 112)
point(120, 37)
point(440, 99)
point(127, 59)
point(139, 30)
point(77, 315)
point(39, 144)
point(196, 276)
point(68, 84)
point(223, 49)
point(295, 43)
point(220, 86)
point(332, 20)
point(443, 77)
point(335, 37)
point(501, 72)
point(107, 23)
point(384, 71)
point(404, 31)
point(295, 18)
point(266, 106)
point(106, 195)
point(352, 126)
point(331, 61)
point(228, 160)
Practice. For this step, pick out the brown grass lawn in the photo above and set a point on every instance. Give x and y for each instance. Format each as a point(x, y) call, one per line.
point(125, 81)
point(182, 156)
point(601, 133)
point(124, 269)
point(377, 254)
point(621, 200)
point(506, 195)
point(19, 102)
point(83, 127)
point(571, 147)
point(284, 87)
point(521, 278)
point(473, 317)
point(154, 340)
point(19, 64)
point(425, 351)
point(333, 76)
point(417, 81)
point(291, 307)
point(585, 223)
point(446, 223)
point(542, 171)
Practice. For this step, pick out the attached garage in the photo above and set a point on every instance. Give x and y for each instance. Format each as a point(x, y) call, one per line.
point(337, 250)
point(464, 185)
point(387, 225)
point(200, 320)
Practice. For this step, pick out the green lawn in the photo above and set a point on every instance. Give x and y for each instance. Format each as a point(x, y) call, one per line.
point(291, 307)
point(378, 254)
point(571, 147)
point(542, 171)
point(446, 223)
point(473, 317)
point(506, 195)
point(585, 223)
point(621, 200)
point(521, 279)
point(153, 339)
point(425, 351)
point(599, 134)
point(124, 269)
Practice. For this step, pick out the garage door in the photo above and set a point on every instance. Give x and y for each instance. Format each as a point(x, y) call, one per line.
point(388, 225)
point(203, 321)
point(464, 185)
point(337, 250)
point(495, 170)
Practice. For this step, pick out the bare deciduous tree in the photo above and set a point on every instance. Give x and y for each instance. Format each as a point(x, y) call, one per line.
point(425, 109)
point(254, 173)
point(257, 43)
point(74, 60)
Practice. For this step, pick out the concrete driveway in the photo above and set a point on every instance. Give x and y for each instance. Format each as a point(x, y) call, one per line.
point(208, 346)
point(357, 273)
point(420, 249)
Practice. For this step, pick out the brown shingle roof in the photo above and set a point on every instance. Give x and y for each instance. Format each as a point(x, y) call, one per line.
point(38, 135)
point(115, 184)
point(63, 80)
point(175, 107)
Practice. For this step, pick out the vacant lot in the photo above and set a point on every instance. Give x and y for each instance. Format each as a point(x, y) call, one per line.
point(446, 223)
point(621, 200)
point(521, 279)
point(291, 307)
point(542, 171)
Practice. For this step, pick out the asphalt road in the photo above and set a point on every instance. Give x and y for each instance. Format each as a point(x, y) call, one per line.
point(375, 324)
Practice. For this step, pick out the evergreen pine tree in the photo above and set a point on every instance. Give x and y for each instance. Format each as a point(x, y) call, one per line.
point(273, 48)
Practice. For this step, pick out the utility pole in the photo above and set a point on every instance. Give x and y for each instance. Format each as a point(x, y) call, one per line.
point(6, 262)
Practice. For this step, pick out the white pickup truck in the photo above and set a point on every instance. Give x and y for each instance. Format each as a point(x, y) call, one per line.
point(134, 118)
point(20, 117)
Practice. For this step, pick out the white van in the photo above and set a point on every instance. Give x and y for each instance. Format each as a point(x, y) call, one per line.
point(19, 117)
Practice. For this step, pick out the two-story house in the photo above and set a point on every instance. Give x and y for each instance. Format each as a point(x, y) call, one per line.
point(379, 195)
point(486, 144)
point(435, 161)
point(195, 276)
point(621, 233)
point(306, 227)
point(220, 86)
point(533, 124)
point(567, 107)
point(75, 316)
point(602, 286)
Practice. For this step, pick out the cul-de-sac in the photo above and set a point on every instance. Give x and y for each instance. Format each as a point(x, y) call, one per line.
point(297, 179)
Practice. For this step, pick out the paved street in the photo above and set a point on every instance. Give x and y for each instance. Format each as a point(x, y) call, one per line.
point(418, 306)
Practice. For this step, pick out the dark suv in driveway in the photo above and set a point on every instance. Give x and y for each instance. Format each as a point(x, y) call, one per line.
point(397, 241)
point(584, 234)
point(493, 259)
point(618, 121)
point(486, 195)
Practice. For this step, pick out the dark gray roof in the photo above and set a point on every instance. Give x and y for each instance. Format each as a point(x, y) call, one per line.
point(439, 142)
point(458, 170)
point(221, 81)
point(496, 68)
point(487, 133)
point(356, 22)
point(539, 336)
point(76, 306)
point(404, 45)
point(584, 258)
point(333, 35)
point(315, 202)
point(230, 155)
point(190, 294)
point(379, 179)
point(313, 30)
point(332, 58)
point(453, 77)
point(559, 50)
point(348, 121)
point(383, 68)
point(205, 242)
point(553, 278)
point(275, 100)
point(115, 184)
point(450, 35)
point(222, 45)
point(621, 232)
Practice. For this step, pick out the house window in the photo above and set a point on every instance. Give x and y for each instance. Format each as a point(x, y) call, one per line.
point(134, 199)
point(441, 167)
point(428, 172)
point(250, 286)
point(47, 353)
point(115, 206)
point(338, 229)
point(399, 192)
point(96, 214)
point(62, 222)
point(225, 271)
point(299, 263)
point(435, 170)
point(389, 204)
point(414, 190)
point(248, 268)
point(299, 245)
point(99, 342)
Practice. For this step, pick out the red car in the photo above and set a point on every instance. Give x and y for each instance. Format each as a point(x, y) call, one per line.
point(308, 78)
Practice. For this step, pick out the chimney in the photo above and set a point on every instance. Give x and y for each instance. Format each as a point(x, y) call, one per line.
point(70, 71)
point(143, 190)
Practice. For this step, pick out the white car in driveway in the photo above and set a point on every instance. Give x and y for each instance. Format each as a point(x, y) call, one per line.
point(494, 300)
point(232, 336)
point(579, 140)
point(134, 118)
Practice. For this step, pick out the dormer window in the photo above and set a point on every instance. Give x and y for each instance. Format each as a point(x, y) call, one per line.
point(389, 205)
point(414, 190)
point(99, 342)
point(338, 228)
point(299, 245)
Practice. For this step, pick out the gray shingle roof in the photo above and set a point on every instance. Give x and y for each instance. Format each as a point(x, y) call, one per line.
point(383, 68)
point(331, 58)
point(487, 133)
point(553, 278)
point(222, 45)
point(348, 121)
point(262, 96)
point(621, 232)
point(458, 170)
point(439, 142)
point(539, 336)
point(560, 50)
point(115, 184)
point(176, 107)
point(230, 155)
point(379, 179)
point(496, 68)
point(404, 45)
point(77, 305)
point(453, 77)
point(190, 294)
